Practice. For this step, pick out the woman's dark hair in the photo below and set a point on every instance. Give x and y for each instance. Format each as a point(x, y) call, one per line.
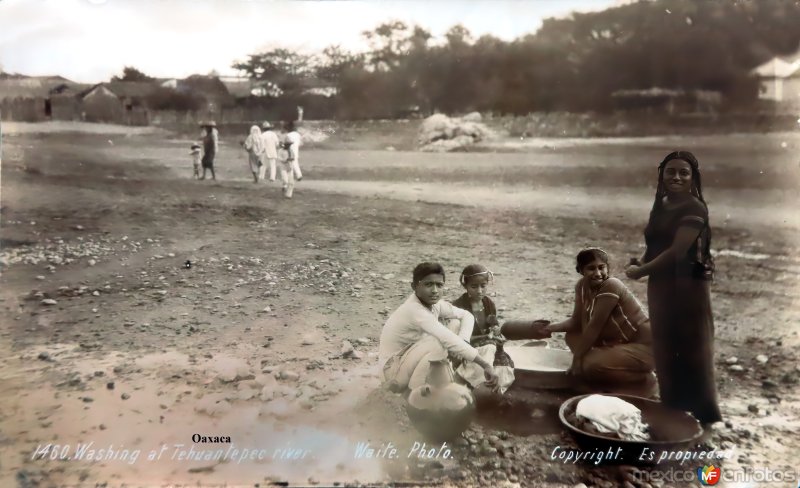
point(588, 255)
point(696, 190)
point(424, 269)
point(474, 270)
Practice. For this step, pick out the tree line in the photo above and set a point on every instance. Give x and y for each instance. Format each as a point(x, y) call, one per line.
point(570, 64)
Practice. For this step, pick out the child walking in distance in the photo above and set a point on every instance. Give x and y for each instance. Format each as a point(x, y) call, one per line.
point(196, 154)
point(413, 333)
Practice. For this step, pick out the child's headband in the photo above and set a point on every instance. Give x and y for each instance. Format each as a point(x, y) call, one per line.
point(463, 278)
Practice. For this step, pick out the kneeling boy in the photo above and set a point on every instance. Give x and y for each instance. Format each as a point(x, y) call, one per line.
point(413, 333)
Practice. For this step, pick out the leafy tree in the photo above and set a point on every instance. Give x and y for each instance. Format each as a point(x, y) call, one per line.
point(129, 73)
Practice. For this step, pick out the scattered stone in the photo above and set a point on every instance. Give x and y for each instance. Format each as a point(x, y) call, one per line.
point(110, 385)
point(92, 262)
point(96, 293)
point(49, 301)
point(213, 405)
point(347, 349)
point(752, 408)
point(736, 368)
point(768, 384)
point(732, 360)
point(363, 341)
point(87, 399)
point(762, 359)
point(78, 227)
point(40, 277)
point(45, 356)
point(288, 375)
point(125, 396)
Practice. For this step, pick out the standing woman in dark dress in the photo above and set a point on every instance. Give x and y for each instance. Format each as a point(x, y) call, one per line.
point(210, 141)
point(680, 268)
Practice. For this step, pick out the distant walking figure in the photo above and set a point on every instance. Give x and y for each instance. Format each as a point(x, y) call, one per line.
point(210, 141)
point(197, 155)
point(270, 155)
point(254, 146)
point(294, 139)
point(285, 161)
point(678, 262)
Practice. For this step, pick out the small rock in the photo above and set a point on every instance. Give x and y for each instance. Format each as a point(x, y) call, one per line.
point(44, 356)
point(110, 385)
point(762, 359)
point(92, 262)
point(267, 309)
point(87, 399)
point(125, 396)
point(40, 277)
point(288, 375)
point(78, 227)
point(49, 301)
point(732, 360)
point(95, 293)
point(752, 408)
point(768, 384)
point(363, 341)
point(736, 368)
point(347, 348)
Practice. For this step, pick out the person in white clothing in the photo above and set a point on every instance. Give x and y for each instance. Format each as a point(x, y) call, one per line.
point(293, 138)
point(413, 334)
point(270, 155)
point(254, 147)
point(285, 163)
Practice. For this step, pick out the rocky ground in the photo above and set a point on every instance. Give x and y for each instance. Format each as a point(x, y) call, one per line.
point(140, 307)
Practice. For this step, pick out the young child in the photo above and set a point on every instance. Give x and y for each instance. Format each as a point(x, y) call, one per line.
point(475, 279)
point(196, 154)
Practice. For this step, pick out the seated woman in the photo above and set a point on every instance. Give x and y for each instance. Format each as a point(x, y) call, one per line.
point(608, 332)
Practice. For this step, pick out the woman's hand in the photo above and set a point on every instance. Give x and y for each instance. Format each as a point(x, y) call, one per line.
point(576, 367)
point(634, 272)
point(542, 328)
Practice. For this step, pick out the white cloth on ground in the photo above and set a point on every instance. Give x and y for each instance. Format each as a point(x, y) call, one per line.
point(609, 414)
point(474, 375)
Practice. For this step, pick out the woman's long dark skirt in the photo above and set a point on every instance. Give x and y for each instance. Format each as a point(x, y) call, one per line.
point(683, 344)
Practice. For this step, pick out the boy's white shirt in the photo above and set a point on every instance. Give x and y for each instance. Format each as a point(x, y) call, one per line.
point(412, 320)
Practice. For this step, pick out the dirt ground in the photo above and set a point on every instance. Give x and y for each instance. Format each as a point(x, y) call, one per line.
point(140, 307)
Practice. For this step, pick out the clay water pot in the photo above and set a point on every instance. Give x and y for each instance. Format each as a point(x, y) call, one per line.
point(440, 409)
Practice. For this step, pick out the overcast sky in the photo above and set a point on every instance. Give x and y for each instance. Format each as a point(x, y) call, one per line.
point(91, 40)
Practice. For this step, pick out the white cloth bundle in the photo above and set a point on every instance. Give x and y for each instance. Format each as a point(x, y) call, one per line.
point(473, 373)
point(610, 414)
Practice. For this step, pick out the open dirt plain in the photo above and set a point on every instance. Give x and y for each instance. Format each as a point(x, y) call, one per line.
point(110, 345)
